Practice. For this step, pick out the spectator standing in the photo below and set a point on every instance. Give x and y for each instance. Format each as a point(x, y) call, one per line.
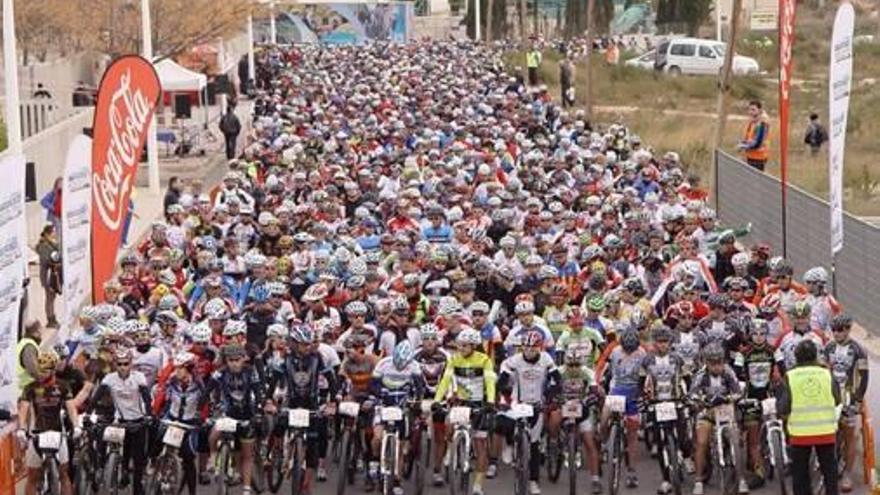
point(566, 81)
point(808, 399)
point(172, 195)
point(42, 92)
point(51, 202)
point(26, 354)
point(533, 63)
point(50, 271)
point(230, 126)
point(816, 134)
point(755, 143)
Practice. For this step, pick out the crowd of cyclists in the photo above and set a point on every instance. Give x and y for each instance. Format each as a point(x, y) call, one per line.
point(412, 228)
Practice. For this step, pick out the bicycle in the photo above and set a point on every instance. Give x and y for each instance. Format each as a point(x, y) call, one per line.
point(420, 443)
point(774, 443)
point(352, 442)
point(88, 460)
point(664, 419)
point(458, 471)
point(268, 460)
point(616, 441)
point(114, 442)
point(298, 423)
point(167, 472)
point(224, 465)
point(392, 420)
point(522, 415)
point(570, 437)
point(47, 444)
point(722, 448)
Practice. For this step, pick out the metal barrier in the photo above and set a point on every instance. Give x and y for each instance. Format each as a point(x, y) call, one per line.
point(747, 195)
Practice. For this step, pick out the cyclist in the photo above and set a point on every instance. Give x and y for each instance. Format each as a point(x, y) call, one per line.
point(755, 365)
point(577, 383)
point(624, 366)
point(397, 380)
point(433, 359)
point(531, 377)
point(801, 328)
point(824, 307)
point(237, 391)
point(580, 338)
point(473, 375)
point(147, 358)
point(40, 409)
point(849, 368)
point(300, 377)
point(713, 386)
point(357, 372)
point(183, 398)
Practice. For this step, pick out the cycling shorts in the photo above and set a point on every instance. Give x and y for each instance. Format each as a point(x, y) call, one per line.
point(631, 392)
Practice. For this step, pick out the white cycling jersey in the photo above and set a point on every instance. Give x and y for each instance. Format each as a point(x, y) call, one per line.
point(529, 380)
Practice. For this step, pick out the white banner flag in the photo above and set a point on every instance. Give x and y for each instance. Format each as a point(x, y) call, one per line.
point(839, 83)
point(13, 252)
point(76, 257)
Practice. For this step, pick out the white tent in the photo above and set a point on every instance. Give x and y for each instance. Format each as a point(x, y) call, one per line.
point(176, 78)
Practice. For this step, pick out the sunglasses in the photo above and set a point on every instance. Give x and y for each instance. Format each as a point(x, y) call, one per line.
point(123, 365)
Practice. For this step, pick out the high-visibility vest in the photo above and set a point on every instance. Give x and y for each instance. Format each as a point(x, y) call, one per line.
point(812, 402)
point(533, 59)
point(24, 378)
point(761, 152)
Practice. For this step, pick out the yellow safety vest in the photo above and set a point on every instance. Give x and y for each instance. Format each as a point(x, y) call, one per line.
point(812, 402)
point(24, 378)
point(532, 59)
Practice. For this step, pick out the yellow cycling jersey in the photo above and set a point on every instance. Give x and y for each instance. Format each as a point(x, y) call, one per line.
point(472, 378)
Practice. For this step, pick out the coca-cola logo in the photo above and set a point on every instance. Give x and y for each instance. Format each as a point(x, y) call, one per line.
point(786, 40)
point(128, 115)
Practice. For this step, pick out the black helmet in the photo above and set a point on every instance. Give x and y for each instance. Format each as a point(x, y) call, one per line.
point(713, 353)
point(630, 340)
point(841, 322)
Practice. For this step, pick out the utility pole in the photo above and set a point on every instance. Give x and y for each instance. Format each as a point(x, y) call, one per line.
point(10, 67)
point(591, 7)
point(477, 20)
point(152, 142)
point(717, 20)
point(723, 90)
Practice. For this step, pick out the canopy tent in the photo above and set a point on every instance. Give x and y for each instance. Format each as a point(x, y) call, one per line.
point(176, 78)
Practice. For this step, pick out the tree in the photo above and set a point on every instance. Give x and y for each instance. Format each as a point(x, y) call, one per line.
point(689, 14)
point(114, 26)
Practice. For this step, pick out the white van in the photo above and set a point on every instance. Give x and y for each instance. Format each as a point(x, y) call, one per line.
point(699, 56)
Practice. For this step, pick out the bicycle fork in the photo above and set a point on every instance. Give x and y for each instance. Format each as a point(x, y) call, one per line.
point(392, 470)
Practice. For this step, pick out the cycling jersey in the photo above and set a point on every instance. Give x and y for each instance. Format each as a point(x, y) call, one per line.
point(130, 395)
point(575, 382)
point(665, 375)
point(822, 309)
point(584, 342)
point(180, 401)
point(788, 342)
point(625, 368)
point(359, 375)
point(47, 399)
point(754, 365)
point(848, 360)
point(472, 378)
point(149, 362)
point(392, 386)
point(530, 382)
point(709, 386)
point(240, 394)
point(432, 364)
point(299, 376)
point(687, 345)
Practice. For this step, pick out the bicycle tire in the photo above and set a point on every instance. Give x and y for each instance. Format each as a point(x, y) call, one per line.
point(779, 461)
point(111, 475)
point(572, 445)
point(389, 465)
point(674, 466)
point(346, 461)
point(297, 473)
point(167, 475)
point(274, 468)
point(523, 449)
point(258, 469)
point(53, 479)
point(727, 473)
point(418, 465)
point(223, 469)
point(81, 484)
point(615, 458)
point(554, 460)
point(459, 475)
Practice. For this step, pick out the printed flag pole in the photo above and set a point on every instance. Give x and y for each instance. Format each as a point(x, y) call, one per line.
point(786, 40)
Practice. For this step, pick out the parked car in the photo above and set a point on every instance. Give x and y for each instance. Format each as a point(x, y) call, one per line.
point(692, 56)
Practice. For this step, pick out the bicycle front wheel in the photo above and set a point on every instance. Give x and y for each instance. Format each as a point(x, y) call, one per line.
point(111, 474)
point(222, 464)
point(297, 468)
point(389, 465)
point(522, 451)
point(53, 482)
point(728, 471)
point(459, 473)
point(554, 459)
point(676, 476)
point(615, 443)
point(345, 476)
point(573, 448)
point(776, 446)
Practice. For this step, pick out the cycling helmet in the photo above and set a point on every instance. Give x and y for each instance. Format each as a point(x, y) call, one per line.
point(301, 334)
point(800, 309)
point(216, 309)
point(469, 336)
point(234, 327)
point(400, 305)
point(532, 338)
point(840, 322)
point(680, 310)
point(633, 285)
point(547, 272)
point(784, 270)
point(62, 351)
point(356, 308)
point(575, 317)
point(166, 318)
point(168, 302)
point(713, 353)
point(574, 356)
point(429, 331)
point(592, 252)
point(184, 359)
point(276, 330)
point(816, 275)
point(637, 318)
point(89, 313)
point(596, 303)
point(122, 354)
point(200, 334)
point(734, 283)
point(479, 307)
point(356, 340)
point(759, 327)
point(769, 304)
point(775, 263)
point(661, 333)
point(523, 307)
point(115, 327)
point(630, 340)
point(47, 360)
point(740, 260)
point(167, 277)
point(403, 354)
point(612, 242)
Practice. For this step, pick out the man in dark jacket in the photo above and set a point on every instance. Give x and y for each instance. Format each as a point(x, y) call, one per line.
point(230, 126)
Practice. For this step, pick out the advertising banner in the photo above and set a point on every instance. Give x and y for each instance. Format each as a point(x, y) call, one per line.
point(13, 252)
point(127, 99)
point(786, 40)
point(76, 258)
point(839, 83)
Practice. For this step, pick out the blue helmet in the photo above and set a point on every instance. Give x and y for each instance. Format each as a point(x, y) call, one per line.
point(403, 354)
point(301, 334)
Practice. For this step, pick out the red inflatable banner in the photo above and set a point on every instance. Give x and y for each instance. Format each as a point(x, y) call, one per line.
point(127, 99)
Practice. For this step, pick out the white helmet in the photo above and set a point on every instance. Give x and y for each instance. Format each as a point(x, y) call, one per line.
point(276, 330)
point(234, 327)
point(184, 359)
point(816, 275)
point(468, 336)
point(739, 260)
point(200, 334)
point(216, 309)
